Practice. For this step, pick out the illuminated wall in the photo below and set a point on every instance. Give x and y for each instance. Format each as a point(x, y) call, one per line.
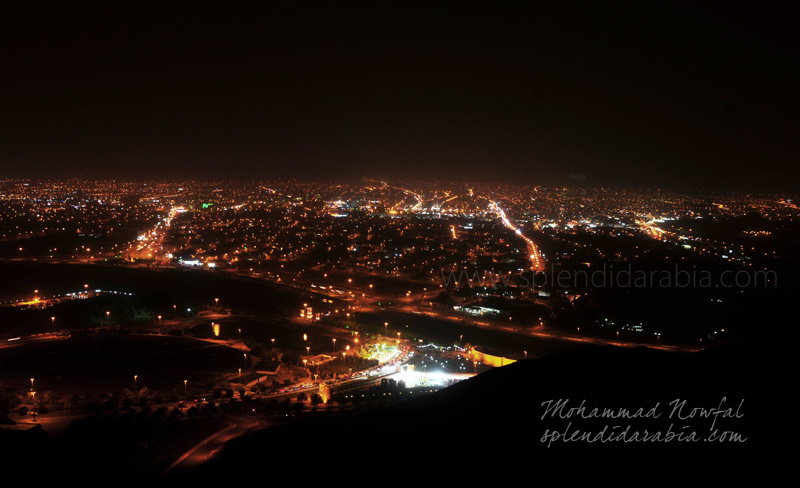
point(484, 358)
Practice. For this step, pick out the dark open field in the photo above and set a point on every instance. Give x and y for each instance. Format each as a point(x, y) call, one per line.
point(166, 292)
point(109, 361)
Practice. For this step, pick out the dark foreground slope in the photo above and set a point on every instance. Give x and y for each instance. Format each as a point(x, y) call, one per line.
point(495, 424)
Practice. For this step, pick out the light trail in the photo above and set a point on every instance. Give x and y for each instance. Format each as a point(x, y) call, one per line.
point(650, 229)
point(149, 244)
point(537, 261)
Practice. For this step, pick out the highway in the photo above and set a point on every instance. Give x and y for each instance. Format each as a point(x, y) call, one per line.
point(537, 261)
point(209, 446)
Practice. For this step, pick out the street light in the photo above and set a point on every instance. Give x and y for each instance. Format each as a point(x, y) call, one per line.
point(53, 321)
point(108, 315)
point(334, 344)
point(185, 386)
point(273, 343)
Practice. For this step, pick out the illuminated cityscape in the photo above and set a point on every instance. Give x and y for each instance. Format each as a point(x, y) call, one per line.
point(279, 240)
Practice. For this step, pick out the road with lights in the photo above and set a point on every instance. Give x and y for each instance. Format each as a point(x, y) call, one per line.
point(537, 261)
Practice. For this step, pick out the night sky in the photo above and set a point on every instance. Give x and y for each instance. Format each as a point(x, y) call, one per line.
point(679, 95)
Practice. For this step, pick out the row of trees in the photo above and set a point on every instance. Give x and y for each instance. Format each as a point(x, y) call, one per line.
point(339, 366)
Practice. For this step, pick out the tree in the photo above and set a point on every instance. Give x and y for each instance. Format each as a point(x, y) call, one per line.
point(316, 400)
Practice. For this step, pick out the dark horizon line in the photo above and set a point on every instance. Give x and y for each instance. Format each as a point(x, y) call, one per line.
point(360, 179)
